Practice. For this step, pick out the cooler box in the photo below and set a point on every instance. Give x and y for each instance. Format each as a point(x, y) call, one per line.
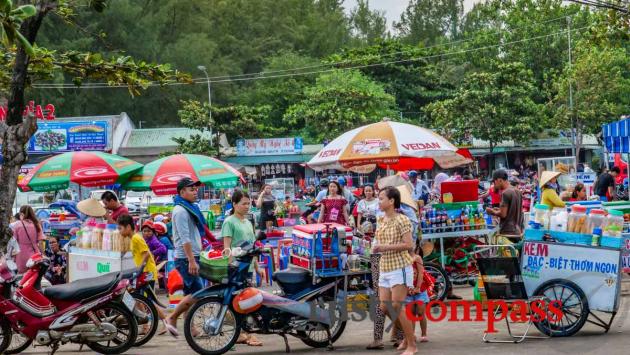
point(462, 191)
point(328, 263)
point(304, 235)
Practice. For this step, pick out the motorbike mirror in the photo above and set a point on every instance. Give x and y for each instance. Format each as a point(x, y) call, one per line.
point(261, 236)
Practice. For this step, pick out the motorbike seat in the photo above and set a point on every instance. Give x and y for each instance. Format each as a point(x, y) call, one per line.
point(129, 273)
point(291, 276)
point(81, 289)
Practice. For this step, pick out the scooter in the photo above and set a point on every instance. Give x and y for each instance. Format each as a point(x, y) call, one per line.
point(96, 312)
point(218, 324)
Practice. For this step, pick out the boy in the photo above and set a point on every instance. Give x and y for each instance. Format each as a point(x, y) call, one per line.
point(418, 297)
point(142, 255)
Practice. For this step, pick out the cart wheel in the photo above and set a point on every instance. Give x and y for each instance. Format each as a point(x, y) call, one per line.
point(442, 282)
point(574, 307)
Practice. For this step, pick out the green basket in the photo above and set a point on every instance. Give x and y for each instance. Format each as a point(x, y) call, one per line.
point(214, 270)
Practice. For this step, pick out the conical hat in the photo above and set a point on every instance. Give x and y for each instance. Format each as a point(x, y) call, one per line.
point(91, 207)
point(547, 176)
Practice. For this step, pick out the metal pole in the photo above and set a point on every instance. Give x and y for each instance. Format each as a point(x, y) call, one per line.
point(573, 142)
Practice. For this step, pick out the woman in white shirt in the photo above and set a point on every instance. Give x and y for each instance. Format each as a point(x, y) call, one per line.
point(367, 207)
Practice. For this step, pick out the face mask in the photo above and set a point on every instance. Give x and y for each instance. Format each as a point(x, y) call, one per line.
point(552, 185)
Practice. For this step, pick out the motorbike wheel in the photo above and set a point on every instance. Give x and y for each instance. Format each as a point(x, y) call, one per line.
point(199, 316)
point(319, 338)
point(126, 324)
point(19, 343)
point(146, 306)
point(442, 282)
point(5, 335)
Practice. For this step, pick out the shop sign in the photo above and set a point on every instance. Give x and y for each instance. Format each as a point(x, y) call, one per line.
point(269, 146)
point(46, 113)
point(69, 136)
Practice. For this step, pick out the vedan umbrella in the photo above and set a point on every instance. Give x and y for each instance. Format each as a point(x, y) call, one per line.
point(84, 168)
point(161, 176)
point(393, 145)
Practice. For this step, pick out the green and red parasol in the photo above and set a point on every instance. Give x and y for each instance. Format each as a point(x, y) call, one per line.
point(161, 176)
point(89, 169)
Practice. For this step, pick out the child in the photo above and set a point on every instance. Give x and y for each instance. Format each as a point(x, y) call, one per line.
point(420, 295)
point(158, 250)
point(142, 255)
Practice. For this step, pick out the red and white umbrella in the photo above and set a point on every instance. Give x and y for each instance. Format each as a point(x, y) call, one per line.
point(392, 145)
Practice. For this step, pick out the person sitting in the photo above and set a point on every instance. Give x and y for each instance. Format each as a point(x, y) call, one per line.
point(161, 230)
point(56, 273)
point(549, 186)
point(158, 250)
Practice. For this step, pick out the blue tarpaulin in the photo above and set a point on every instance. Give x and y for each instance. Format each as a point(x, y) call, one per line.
point(617, 136)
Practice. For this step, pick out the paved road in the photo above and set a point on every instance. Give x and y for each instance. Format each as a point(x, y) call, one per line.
point(445, 338)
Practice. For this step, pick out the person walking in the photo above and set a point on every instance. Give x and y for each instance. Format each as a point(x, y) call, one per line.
point(28, 233)
point(510, 212)
point(393, 241)
point(188, 225)
point(367, 208)
point(333, 209)
point(235, 230)
point(267, 205)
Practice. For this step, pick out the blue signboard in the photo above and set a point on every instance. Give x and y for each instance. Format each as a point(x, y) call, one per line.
point(58, 137)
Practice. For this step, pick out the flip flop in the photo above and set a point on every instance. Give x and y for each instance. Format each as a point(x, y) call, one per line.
point(169, 328)
point(252, 341)
point(375, 346)
point(424, 339)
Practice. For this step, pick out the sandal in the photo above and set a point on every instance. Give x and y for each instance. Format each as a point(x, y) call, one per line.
point(424, 339)
point(169, 328)
point(242, 339)
point(375, 346)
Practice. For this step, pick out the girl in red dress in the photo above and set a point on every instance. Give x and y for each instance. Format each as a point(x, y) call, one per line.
point(333, 209)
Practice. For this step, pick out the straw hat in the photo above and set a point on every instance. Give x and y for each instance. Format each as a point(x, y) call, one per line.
point(405, 197)
point(547, 176)
point(427, 248)
point(91, 207)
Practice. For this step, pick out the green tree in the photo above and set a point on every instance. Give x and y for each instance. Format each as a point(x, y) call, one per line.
point(281, 92)
point(338, 102)
point(494, 106)
point(428, 21)
point(600, 80)
point(232, 121)
point(23, 63)
point(368, 26)
point(414, 82)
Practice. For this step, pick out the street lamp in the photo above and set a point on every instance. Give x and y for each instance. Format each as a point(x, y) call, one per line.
point(203, 69)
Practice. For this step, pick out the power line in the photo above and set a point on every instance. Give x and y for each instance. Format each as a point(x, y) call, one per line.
point(105, 86)
point(348, 61)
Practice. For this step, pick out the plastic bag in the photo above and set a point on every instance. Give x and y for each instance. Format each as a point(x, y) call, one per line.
point(175, 282)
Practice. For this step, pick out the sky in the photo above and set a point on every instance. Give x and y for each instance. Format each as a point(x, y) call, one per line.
point(393, 8)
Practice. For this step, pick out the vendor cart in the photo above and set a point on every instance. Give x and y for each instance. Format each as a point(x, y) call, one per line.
point(90, 263)
point(583, 278)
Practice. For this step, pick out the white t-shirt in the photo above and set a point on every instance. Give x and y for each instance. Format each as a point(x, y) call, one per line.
point(368, 208)
point(13, 248)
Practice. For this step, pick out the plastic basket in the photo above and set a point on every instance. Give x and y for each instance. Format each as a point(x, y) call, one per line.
point(214, 270)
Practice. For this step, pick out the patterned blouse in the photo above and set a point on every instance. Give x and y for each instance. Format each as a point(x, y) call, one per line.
point(391, 232)
point(333, 210)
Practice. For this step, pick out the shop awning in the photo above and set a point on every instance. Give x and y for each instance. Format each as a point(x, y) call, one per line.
point(268, 159)
point(617, 136)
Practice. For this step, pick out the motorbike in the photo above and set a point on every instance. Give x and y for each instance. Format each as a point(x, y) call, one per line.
point(145, 311)
point(96, 312)
point(301, 310)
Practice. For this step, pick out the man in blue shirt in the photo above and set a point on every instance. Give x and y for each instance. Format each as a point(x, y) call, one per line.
point(420, 188)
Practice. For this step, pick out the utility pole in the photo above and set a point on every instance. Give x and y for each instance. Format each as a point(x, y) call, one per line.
point(571, 111)
point(203, 69)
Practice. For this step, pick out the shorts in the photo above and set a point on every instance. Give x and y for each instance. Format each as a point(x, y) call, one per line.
point(422, 296)
point(192, 283)
point(396, 277)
